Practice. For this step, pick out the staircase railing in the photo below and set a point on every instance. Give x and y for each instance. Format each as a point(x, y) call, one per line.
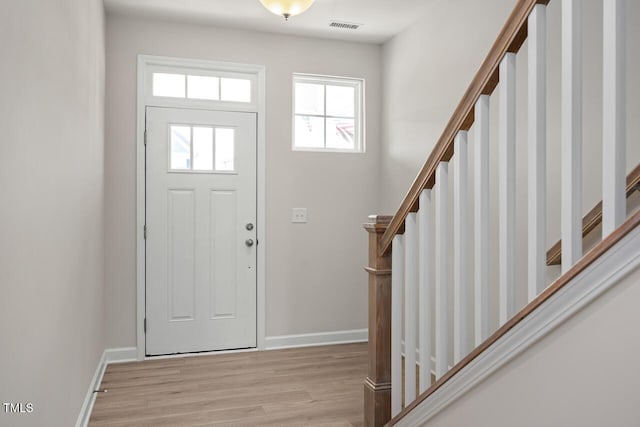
point(411, 253)
point(594, 218)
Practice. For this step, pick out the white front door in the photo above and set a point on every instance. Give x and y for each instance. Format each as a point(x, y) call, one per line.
point(201, 234)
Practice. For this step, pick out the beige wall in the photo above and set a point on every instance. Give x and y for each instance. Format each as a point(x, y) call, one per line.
point(51, 214)
point(426, 69)
point(314, 276)
point(581, 374)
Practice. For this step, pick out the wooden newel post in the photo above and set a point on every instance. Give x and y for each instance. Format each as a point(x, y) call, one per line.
point(377, 386)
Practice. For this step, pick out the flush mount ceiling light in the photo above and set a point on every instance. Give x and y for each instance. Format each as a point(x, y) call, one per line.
point(287, 8)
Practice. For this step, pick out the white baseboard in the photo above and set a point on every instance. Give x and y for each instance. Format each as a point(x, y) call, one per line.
point(603, 274)
point(113, 355)
point(316, 339)
point(120, 355)
point(90, 398)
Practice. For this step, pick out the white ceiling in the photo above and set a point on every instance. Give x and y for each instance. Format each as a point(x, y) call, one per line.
point(380, 19)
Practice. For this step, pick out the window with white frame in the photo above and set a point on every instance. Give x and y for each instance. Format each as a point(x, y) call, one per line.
point(327, 113)
point(201, 148)
point(200, 86)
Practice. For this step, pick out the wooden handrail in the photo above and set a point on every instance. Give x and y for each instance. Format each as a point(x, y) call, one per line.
point(591, 256)
point(510, 39)
point(593, 218)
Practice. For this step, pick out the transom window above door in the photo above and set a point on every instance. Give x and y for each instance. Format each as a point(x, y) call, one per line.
point(327, 114)
point(201, 149)
point(212, 88)
point(199, 86)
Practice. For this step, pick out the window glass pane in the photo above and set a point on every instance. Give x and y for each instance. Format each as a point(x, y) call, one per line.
point(171, 85)
point(340, 101)
point(202, 87)
point(237, 90)
point(340, 133)
point(326, 113)
point(180, 147)
point(309, 132)
point(309, 99)
point(202, 148)
point(225, 149)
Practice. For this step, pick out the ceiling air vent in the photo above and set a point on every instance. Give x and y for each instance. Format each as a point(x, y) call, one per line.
point(344, 25)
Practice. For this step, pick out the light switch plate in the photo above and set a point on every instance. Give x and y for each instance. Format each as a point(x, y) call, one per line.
point(299, 215)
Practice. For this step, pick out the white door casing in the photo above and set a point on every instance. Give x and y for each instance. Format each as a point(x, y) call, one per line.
point(200, 272)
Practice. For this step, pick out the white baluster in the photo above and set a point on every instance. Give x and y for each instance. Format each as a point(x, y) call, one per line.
point(410, 306)
point(460, 246)
point(507, 189)
point(614, 201)
point(537, 150)
point(481, 222)
point(442, 268)
point(425, 287)
point(571, 133)
point(397, 283)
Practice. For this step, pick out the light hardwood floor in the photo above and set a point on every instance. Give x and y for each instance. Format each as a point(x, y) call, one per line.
point(315, 386)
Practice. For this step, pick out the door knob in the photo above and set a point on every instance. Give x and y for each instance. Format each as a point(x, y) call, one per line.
point(248, 242)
